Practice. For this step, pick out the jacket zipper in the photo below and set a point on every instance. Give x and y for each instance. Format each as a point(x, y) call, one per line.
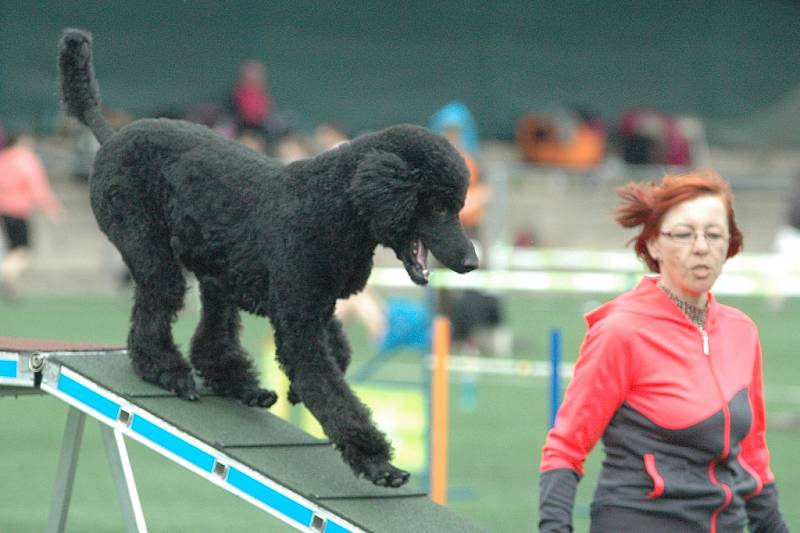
point(726, 440)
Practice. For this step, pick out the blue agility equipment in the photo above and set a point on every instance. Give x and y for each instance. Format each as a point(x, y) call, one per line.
point(555, 378)
point(408, 326)
point(298, 479)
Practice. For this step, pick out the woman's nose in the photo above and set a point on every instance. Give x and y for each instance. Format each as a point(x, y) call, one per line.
point(701, 243)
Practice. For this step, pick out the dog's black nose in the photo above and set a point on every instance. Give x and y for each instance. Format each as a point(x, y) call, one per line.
point(470, 262)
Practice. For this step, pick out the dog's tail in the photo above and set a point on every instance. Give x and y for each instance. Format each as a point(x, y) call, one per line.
point(79, 92)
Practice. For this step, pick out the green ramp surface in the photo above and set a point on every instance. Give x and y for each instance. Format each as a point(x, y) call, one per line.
point(237, 439)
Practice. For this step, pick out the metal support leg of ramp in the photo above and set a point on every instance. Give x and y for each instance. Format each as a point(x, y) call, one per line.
point(65, 474)
point(117, 454)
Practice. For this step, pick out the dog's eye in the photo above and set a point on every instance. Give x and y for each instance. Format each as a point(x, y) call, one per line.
point(440, 209)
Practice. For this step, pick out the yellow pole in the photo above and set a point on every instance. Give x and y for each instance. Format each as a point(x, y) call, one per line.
point(439, 394)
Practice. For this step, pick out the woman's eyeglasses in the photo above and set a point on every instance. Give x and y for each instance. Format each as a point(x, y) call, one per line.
point(685, 236)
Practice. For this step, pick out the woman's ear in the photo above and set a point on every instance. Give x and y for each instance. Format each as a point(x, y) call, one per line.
point(654, 249)
point(384, 192)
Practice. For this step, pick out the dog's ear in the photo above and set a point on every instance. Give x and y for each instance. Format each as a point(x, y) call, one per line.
point(384, 191)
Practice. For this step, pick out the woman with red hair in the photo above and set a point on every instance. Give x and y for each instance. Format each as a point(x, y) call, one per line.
point(671, 380)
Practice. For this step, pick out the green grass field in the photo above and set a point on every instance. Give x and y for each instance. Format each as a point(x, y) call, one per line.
point(494, 448)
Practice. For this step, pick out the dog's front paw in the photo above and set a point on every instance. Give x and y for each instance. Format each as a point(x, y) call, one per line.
point(292, 396)
point(384, 474)
point(180, 382)
point(258, 398)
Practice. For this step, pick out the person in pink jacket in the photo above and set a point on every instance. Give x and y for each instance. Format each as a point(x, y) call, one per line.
point(23, 188)
point(671, 381)
point(252, 100)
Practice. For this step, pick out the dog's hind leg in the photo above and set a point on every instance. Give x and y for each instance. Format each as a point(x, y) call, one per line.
point(159, 291)
point(319, 382)
point(216, 353)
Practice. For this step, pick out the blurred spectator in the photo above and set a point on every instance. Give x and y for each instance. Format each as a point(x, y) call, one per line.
point(328, 136)
point(564, 137)
point(252, 100)
point(471, 314)
point(455, 122)
point(367, 308)
point(525, 238)
point(652, 137)
point(23, 188)
point(292, 147)
point(213, 116)
point(209, 115)
point(457, 115)
point(478, 193)
point(253, 140)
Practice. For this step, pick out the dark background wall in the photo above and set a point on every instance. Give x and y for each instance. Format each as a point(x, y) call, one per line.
point(369, 64)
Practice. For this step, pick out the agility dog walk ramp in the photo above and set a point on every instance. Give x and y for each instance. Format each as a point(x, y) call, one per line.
point(249, 452)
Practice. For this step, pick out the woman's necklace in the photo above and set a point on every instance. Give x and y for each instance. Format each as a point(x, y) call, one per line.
point(697, 315)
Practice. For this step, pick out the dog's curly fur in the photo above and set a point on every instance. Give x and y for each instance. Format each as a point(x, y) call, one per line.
point(274, 240)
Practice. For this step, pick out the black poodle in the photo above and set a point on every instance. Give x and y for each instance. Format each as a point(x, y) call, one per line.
point(279, 241)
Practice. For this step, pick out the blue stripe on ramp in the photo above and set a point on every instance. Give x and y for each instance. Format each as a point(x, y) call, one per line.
point(88, 397)
point(8, 369)
point(333, 527)
point(173, 443)
point(270, 497)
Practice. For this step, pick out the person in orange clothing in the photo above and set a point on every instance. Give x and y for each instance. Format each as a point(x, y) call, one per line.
point(478, 193)
point(455, 122)
point(23, 188)
point(671, 380)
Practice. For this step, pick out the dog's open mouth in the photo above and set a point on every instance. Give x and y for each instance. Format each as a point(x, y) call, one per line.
point(415, 259)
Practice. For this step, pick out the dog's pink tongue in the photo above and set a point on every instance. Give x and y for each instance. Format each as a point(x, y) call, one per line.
point(422, 255)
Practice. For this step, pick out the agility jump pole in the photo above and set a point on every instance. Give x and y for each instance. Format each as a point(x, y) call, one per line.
point(269, 463)
point(443, 363)
point(555, 374)
point(440, 406)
